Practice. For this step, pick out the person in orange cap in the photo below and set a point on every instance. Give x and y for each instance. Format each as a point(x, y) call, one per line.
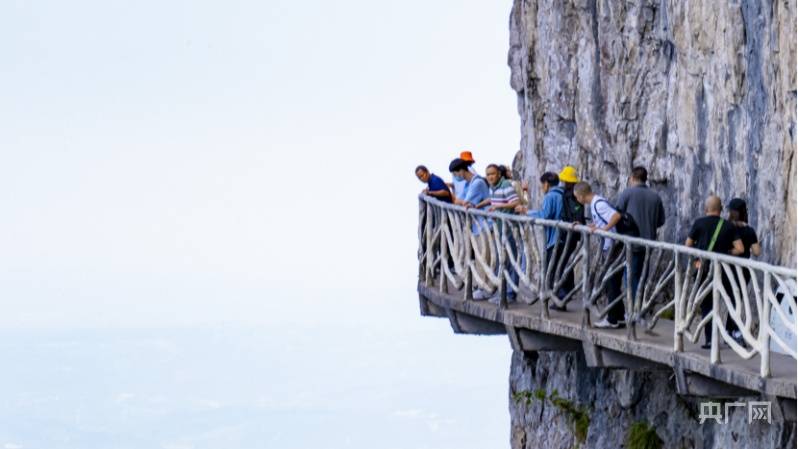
point(467, 156)
point(459, 186)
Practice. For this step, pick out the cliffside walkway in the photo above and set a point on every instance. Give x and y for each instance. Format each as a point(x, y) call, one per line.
point(461, 250)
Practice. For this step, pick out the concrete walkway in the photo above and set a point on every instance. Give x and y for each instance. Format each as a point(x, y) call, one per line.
point(528, 330)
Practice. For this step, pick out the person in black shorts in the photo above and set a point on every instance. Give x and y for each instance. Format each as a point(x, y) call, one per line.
point(713, 233)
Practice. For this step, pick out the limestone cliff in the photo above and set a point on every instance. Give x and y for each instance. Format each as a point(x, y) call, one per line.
point(702, 93)
point(613, 401)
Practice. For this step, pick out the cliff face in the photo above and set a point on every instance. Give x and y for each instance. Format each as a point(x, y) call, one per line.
point(612, 401)
point(702, 93)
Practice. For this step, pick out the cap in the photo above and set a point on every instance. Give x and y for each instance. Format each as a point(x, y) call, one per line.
point(568, 174)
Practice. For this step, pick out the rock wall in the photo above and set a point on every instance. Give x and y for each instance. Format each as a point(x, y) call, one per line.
point(702, 93)
point(614, 400)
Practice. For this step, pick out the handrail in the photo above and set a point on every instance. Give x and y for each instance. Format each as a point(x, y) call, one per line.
point(786, 271)
point(505, 254)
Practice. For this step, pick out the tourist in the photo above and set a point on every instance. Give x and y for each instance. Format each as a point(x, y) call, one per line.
point(551, 209)
point(645, 208)
point(605, 217)
point(436, 187)
point(713, 233)
point(459, 185)
point(476, 195)
point(572, 212)
point(738, 216)
point(476, 188)
point(503, 197)
point(520, 191)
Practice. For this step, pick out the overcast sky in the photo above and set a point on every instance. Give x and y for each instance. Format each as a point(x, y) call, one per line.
point(183, 162)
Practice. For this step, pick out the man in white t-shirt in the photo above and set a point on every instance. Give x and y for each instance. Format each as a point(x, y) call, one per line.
point(605, 217)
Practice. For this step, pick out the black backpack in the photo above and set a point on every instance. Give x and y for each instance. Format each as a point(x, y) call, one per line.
point(626, 225)
point(572, 211)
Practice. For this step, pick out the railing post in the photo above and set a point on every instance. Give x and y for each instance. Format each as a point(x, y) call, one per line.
point(628, 299)
point(586, 287)
point(469, 276)
point(678, 305)
point(422, 236)
point(444, 283)
point(714, 357)
point(428, 276)
point(542, 294)
point(764, 328)
point(502, 260)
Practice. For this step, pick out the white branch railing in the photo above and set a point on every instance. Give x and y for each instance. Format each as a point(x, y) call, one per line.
point(504, 254)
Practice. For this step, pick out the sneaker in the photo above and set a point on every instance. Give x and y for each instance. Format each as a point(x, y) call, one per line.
point(706, 346)
point(604, 324)
point(562, 308)
point(738, 337)
point(480, 295)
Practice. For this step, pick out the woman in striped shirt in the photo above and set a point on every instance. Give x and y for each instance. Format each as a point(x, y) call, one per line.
point(503, 197)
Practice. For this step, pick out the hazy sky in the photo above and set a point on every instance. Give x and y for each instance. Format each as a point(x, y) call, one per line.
point(183, 162)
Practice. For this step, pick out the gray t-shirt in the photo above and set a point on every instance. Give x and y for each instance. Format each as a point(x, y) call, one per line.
point(645, 207)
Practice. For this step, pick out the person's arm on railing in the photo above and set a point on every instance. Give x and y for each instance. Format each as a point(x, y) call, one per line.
point(509, 207)
point(479, 205)
point(738, 248)
point(616, 217)
point(438, 193)
point(548, 210)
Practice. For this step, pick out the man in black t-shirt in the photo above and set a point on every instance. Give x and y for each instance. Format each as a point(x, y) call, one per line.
point(712, 233)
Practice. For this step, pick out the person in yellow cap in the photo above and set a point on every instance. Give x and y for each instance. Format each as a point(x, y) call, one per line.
point(568, 175)
point(572, 212)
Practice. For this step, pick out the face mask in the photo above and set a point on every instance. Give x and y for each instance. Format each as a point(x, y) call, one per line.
point(458, 178)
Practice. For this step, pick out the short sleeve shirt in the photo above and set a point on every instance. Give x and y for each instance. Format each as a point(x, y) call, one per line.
point(702, 230)
point(502, 194)
point(601, 211)
point(748, 236)
point(461, 186)
point(477, 190)
point(435, 183)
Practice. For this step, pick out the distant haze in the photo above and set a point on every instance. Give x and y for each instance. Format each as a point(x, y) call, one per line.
point(169, 163)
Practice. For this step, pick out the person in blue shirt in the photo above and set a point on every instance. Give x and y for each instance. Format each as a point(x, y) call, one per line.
point(552, 206)
point(552, 209)
point(459, 186)
point(436, 187)
point(476, 192)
